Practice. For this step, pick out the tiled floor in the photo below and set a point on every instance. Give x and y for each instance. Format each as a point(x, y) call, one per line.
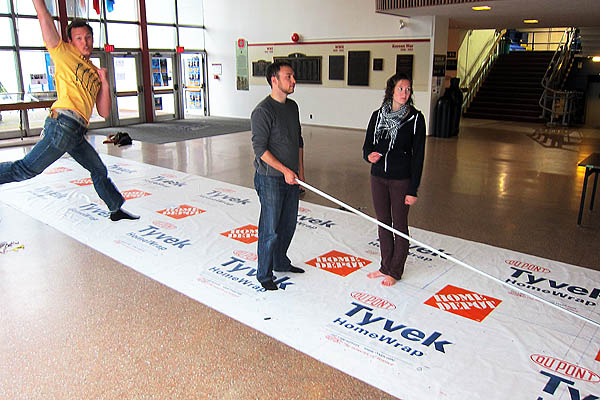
point(75, 324)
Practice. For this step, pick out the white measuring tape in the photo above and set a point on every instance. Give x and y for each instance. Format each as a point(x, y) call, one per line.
point(444, 255)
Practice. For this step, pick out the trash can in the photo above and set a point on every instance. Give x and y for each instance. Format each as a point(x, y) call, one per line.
point(456, 98)
point(442, 122)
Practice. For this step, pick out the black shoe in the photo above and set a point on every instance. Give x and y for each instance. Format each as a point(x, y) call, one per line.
point(269, 285)
point(122, 214)
point(296, 270)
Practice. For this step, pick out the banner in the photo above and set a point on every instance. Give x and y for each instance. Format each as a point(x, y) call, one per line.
point(442, 332)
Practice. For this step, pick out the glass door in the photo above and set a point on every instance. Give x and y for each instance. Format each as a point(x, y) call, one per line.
point(193, 67)
point(164, 86)
point(100, 60)
point(127, 102)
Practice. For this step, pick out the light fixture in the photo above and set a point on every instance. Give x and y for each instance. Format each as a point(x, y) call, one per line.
point(402, 24)
point(531, 21)
point(481, 8)
point(596, 59)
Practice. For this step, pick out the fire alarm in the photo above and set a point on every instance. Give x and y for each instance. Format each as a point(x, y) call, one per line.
point(295, 37)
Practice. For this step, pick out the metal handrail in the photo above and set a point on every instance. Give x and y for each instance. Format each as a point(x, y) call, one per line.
point(475, 83)
point(562, 101)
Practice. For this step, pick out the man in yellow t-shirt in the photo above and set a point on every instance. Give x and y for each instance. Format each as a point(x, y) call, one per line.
point(79, 84)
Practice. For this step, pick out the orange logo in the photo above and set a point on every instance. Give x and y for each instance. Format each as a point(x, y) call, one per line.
point(56, 170)
point(82, 182)
point(181, 212)
point(246, 234)
point(134, 194)
point(338, 263)
point(463, 302)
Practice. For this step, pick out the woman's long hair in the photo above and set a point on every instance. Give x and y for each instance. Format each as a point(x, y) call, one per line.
point(391, 84)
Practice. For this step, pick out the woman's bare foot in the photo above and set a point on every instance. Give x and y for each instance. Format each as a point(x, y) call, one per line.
point(375, 274)
point(388, 281)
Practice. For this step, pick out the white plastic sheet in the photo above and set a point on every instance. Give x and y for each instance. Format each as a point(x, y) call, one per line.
point(442, 332)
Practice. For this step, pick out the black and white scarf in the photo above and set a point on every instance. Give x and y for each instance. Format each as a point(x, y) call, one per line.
point(388, 122)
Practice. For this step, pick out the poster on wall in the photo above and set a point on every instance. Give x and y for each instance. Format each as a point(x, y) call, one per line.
point(439, 65)
point(241, 65)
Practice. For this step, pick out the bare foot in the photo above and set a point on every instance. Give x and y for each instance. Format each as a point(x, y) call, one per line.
point(375, 274)
point(388, 281)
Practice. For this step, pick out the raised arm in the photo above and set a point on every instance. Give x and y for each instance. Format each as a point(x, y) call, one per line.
point(49, 32)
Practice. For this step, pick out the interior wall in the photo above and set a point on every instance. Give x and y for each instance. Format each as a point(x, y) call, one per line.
point(266, 21)
point(473, 50)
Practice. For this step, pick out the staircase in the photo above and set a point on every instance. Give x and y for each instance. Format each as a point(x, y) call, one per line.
point(512, 89)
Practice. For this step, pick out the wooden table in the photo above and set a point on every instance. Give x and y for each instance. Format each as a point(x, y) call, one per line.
point(592, 166)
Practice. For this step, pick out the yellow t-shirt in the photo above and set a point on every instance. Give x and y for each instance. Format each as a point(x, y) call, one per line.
point(77, 80)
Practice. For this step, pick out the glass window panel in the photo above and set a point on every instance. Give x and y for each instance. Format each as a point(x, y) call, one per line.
point(95, 117)
point(128, 107)
point(30, 33)
point(124, 10)
point(162, 37)
point(124, 36)
point(162, 11)
point(98, 34)
point(164, 104)
point(125, 74)
point(75, 9)
point(27, 8)
point(191, 38)
point(38, 71)
point(4, 6)
point(9, 120)
point(162, 72)
point(6, 37)
point(190, 12)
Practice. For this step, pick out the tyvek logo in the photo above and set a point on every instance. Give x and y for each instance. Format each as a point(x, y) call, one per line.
point(165, 180)
point(120, 169)
point(181, 211)
point(463, 302)
point(373, 301)
point(338, 263)
point(245, 234)
point(83, 182)
point(134, 194)
point(565, 368)
point(56, 170)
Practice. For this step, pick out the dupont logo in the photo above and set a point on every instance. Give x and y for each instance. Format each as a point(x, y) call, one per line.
point(225, 190)
point(134, 194)
point(57, 170)
point(245, 234)
point(338, 263)
point(164, 225)
point(565, 368)
point(463, 302)
point(245, 255)
point(83, 182)
point(181, 211)
point(373, 301)
point(303, 210)
point(528, 266)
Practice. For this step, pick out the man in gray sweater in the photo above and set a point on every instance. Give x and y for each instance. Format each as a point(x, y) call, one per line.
point(278, 148)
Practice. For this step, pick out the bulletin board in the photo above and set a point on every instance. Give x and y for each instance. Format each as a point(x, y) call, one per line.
point(336, 63)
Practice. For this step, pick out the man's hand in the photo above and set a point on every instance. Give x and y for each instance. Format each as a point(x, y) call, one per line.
point(373, 157)
point(103, 73)
point(290, 177)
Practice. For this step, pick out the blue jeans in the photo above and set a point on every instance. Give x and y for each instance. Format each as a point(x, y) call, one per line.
point(277, 224)
point(64, 135)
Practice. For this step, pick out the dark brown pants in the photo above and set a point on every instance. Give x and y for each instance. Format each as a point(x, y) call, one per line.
point(388, 200)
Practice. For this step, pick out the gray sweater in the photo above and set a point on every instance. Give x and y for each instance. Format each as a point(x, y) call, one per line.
point(276, 127)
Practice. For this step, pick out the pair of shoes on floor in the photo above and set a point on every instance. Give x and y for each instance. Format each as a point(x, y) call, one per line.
point(120, 138)
point(293, 269)
point(269, 285)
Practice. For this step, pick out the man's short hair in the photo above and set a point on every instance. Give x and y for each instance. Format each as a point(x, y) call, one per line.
point(78, 23)
point(273, 69)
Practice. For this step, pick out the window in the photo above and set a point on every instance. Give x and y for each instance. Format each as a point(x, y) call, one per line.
point(125, 36)
point(191, 38)
point(162, 37)
point(190, 12)
point(160, 11)
point(6, 36)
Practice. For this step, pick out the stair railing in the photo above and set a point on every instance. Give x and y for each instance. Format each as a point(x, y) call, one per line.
point(473, 85)
point(554, 101)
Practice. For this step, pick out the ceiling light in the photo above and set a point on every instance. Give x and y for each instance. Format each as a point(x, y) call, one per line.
point(596, 59)
point(531, 21)
point(481, 8)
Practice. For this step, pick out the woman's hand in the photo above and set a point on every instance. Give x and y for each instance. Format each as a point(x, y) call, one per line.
point(410, 200)
point(373, 157)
